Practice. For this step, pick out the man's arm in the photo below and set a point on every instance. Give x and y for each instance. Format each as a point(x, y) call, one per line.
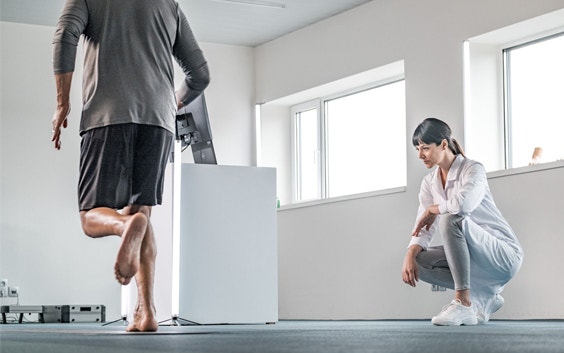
point(192, 62)
point(70, 26)
point(63, 84)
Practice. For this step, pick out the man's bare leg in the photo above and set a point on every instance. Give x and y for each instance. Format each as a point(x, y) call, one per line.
point(131, 226)
point(144, 317)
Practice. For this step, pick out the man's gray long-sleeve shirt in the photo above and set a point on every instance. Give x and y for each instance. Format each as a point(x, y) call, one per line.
point(128, 74)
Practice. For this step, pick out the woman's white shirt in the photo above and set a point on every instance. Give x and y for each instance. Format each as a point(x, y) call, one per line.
point(466, 193)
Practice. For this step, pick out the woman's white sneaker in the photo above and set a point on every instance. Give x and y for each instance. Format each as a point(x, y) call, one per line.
point(491, 307)
point(455, 314)
point(496, 303)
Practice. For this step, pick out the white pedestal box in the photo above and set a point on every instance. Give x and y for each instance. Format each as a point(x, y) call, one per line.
point(226, 250)
point(228, 245)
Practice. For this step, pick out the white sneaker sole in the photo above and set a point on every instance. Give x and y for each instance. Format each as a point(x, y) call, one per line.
point(466, 322)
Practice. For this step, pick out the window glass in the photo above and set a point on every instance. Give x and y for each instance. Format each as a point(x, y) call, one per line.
point(366, 140)
point(534, 101)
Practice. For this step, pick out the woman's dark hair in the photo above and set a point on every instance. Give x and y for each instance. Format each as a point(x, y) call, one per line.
point(433, 130)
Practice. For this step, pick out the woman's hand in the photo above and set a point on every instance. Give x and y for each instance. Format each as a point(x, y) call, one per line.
point(426, 220)
point(409, 271)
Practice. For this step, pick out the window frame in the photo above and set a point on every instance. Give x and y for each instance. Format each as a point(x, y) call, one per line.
point(296, 171)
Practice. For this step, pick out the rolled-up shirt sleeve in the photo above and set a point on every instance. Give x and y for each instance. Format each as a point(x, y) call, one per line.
point(70, 27)
point(425, 200)
point(192, 62)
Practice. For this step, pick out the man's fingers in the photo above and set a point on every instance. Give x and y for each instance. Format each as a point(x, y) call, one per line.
point(56, 138)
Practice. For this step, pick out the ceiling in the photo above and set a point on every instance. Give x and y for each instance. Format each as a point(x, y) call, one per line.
point(213, 21)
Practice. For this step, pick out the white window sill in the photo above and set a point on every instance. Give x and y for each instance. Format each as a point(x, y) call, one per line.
point(526, 169)
point(342, 198)
point(491, 175)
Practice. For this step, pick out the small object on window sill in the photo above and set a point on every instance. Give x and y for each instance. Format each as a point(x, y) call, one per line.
point(537, 156)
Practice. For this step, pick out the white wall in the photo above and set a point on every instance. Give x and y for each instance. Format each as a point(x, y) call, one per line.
point(343, 259)
point(533, 203)
point(276, 152)
point(230, 101)
point(42, 247)
point(484, 132)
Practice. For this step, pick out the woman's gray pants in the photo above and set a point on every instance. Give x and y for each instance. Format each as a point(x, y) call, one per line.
point(471, 258)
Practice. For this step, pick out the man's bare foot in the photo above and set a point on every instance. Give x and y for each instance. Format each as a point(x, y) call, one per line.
point(127, 263)
point(143, 320)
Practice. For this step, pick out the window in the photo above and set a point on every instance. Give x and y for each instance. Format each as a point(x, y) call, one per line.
point(513, 84)
point(534, 109)
point(350, 143)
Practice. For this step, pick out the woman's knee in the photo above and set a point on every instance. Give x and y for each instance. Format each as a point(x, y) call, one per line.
point(431, 258)
point(422, 262)
point(450, 224)
point(433, 268)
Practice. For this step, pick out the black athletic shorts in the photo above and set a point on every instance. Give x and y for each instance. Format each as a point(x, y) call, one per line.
point(123, 165)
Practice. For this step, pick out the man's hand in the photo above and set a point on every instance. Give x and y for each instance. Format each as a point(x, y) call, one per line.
point(59, 120)
point(179, 104)
point(63, 85)
point(426, 219)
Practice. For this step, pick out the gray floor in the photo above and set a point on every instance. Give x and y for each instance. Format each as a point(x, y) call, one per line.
point(288, 337)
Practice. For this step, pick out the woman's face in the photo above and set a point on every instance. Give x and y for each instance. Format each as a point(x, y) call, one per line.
point(431, 154)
